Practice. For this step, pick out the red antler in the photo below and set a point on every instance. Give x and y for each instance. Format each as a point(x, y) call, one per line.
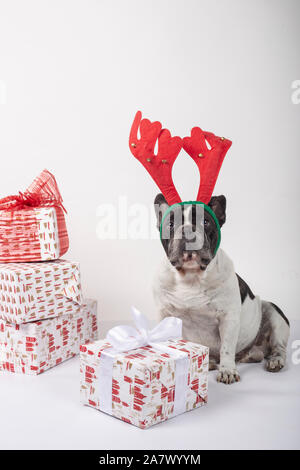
point(208, 161)
point(158, 166)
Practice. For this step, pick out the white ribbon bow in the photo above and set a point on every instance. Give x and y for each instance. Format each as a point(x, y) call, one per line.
point(124, 337)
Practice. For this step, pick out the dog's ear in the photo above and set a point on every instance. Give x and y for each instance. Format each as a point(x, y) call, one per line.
point(218, 205)
point(160, 206)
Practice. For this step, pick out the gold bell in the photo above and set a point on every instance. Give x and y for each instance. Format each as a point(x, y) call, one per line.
point(133, 145)
point(148, 159)
point(200, 155)
point(222, 138)
point(164, 161)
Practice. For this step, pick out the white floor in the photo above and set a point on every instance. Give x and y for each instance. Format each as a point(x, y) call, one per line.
point(262, 411)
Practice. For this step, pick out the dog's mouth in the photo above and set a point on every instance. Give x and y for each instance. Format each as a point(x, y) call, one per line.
point(190, 261)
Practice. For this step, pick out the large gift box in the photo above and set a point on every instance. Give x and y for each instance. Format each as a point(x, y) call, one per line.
point(32, 224)
point(34, 347)
point(142, 379)
point(35, 291)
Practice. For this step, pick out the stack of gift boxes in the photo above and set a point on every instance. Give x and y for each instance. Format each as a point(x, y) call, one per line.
point(43, 317)
point(44, 320)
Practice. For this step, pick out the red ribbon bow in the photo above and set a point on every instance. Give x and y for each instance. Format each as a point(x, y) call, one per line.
point(42, 192)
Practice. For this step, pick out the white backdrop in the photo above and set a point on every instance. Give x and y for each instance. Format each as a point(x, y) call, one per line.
point(72, 75)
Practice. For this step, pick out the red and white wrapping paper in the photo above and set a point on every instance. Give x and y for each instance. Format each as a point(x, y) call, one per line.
point(32, 224)
point(35, 291)
point(32, 348)
point(145, 385)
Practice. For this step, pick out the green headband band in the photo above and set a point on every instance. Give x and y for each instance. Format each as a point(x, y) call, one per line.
point(206, 208)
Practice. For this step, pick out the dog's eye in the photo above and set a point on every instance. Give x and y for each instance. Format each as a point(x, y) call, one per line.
point(171, 224)
point(206, 222)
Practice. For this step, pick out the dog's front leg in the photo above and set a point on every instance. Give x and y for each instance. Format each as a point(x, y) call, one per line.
point(229, 327)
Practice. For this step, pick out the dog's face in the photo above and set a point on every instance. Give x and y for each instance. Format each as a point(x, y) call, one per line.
point(189, 233)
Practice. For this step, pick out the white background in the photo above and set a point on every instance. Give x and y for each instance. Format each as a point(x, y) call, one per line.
point(72, 75)
point(75, 73)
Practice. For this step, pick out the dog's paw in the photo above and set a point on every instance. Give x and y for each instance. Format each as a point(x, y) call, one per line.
point(275, 364)
point(228, 376)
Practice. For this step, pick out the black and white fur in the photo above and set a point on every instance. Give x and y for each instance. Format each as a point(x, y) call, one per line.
point(217, 307)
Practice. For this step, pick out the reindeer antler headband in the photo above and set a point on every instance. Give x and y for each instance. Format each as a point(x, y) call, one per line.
point(208, 160)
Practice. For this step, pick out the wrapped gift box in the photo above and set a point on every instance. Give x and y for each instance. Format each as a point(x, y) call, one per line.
point(32, 224)
point(34, 347)
point(143, 381)
point(35, 291)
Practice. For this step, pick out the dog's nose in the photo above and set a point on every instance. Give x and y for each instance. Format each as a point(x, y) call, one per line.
point(188, 255)
point(205, 261)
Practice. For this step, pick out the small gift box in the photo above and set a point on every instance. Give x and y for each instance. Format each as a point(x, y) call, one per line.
point(32, 224)
point(35, 291)
point(32, 348)
point(144, 377)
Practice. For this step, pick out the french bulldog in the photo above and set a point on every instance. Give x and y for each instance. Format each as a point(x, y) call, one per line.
point(217, 307)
